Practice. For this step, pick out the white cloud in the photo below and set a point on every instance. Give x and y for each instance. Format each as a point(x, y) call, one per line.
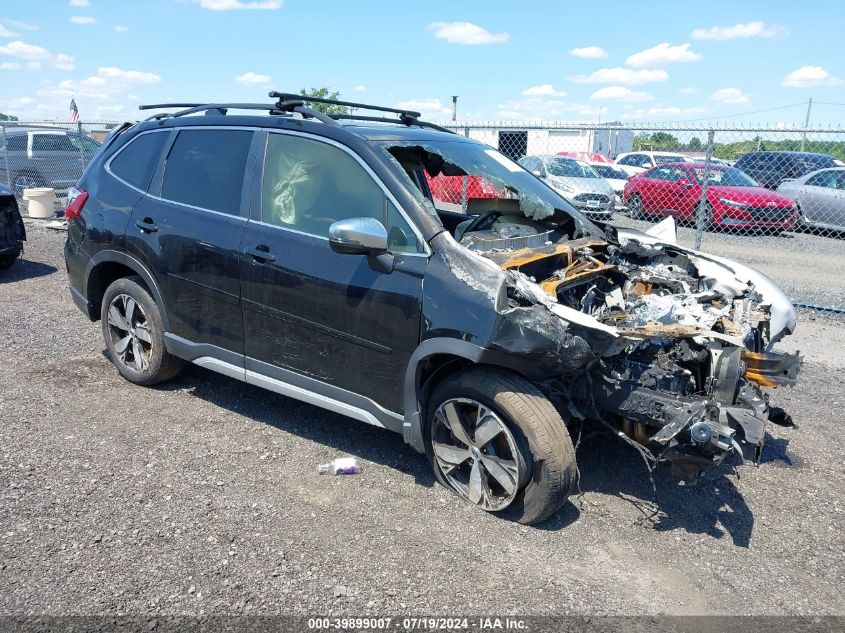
point(540, 108)
point(10, 66)
point(621, 76)
point(688, 90)
point(4, 32)
point(360, 88)
point(590, 52)
point(739, 31)
point(128, 76)
point(730, 95)
point(64, 62)
point(33, 65)
point(253, 79)
point(82, 19)
point(22, 50)
point(24, 26)
point(466, 33)
point(429, 108)
point(237, 5)
point(79, 3)
point(620, 93)
point(661, 55)
point(810, 76)
point(544, 90)
point(121, 29)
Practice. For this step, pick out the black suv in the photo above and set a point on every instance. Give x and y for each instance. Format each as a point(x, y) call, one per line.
point(307, 254)
point(12, 231)
point(772, 168)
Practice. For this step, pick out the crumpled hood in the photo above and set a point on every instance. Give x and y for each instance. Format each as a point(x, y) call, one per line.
point(782, 314)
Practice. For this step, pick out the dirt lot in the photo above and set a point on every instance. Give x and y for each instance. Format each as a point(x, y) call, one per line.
point(202, 496)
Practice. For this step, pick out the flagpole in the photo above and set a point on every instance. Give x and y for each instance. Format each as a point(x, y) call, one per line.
point(79, 131)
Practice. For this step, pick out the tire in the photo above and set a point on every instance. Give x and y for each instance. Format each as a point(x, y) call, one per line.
point(26, 180)
point(139, 352)
point(6, 261)
point(708, 221)
point(528, 448)
point(635, 207)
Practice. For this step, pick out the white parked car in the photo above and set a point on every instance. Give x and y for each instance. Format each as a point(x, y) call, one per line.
point(615, 177)
point(634, 163)
point(820, 196)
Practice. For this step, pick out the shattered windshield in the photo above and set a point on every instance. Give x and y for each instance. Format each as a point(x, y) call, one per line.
point(473, 179)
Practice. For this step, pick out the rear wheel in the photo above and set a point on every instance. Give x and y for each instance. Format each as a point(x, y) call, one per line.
point(635, 207)
point(26, 180)
point(708, 222)
point(134, 334)
point(497, 442)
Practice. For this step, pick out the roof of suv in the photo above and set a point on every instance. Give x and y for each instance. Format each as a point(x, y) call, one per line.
point(370, 131)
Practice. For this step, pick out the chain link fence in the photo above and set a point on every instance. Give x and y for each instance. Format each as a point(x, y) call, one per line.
point(47, 154)
point(771, 197)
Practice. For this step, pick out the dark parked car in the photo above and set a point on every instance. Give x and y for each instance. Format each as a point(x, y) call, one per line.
point(307, 255)
point(44, 157)
point(12, 232)
point(772, 168)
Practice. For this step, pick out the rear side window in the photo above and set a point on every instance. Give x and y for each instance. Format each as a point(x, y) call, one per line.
point(52, 143)
point(137, 161)
point(205, 168)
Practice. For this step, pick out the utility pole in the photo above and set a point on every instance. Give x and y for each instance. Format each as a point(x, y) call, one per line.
point(454, 107)
point(806, 123)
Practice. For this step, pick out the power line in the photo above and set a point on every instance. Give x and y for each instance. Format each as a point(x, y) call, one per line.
point(732, 116)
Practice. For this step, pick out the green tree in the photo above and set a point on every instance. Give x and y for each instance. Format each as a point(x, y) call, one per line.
point(695, 143)
point(664, 139)
point(7, 117)
point(323, 93)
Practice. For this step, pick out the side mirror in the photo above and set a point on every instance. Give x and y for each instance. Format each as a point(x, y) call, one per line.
point(684, 182)
point(538, 172)
point(362, 236)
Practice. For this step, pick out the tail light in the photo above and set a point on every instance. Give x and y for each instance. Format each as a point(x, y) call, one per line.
point(76, 199)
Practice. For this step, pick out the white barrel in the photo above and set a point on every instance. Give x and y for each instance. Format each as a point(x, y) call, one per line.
point(41, 202)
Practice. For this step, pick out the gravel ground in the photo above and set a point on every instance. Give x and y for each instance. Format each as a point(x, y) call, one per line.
point(202, 497)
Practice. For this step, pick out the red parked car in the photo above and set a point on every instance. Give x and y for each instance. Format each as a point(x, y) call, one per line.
point(451, 189)
point(590, 157)
point(733, 198)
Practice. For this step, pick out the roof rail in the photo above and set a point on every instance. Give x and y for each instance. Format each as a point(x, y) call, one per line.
point(290, 103)
point(408, 117)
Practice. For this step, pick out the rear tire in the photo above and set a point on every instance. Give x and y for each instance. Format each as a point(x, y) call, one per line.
point(511, 433)
point(134, 334)
point(635, 207)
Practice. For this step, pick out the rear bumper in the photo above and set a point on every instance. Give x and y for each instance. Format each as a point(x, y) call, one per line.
point(14, 248)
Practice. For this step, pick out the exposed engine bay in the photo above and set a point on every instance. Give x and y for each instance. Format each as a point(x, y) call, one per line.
point(682, 343)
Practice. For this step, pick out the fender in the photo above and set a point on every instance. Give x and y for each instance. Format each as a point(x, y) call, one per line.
point(412, 427)
point(132, 263)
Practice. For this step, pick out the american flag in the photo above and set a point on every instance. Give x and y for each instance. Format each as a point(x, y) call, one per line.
point(74, 112)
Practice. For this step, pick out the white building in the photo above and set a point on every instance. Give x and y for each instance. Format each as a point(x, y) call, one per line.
point(518, 139)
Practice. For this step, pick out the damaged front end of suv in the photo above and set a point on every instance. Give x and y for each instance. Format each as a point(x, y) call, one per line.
point(670, 347)
point(681, 343)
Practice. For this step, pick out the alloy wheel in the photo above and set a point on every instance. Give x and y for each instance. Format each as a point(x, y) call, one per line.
point(476, 453)
point(130, 332)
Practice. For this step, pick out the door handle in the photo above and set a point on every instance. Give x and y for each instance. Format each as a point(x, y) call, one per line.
point(261, 253)
point(147, 225)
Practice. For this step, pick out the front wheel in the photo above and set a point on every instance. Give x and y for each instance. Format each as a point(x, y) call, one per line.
point(134, 334)
point(635, 207)
point(496, 441)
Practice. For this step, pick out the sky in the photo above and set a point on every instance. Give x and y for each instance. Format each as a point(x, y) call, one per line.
point(742, 62)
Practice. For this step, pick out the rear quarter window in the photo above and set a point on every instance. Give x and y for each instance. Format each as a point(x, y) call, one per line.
point(205, 169)
point(137, 161)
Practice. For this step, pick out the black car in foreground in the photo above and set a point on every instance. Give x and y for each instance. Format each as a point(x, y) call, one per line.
point(771, 168)
point(305, 254)
point(12, 231)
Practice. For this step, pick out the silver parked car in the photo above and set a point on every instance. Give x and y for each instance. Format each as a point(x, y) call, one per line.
point(820, 196)
point(576, 181)
point(44, 157)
